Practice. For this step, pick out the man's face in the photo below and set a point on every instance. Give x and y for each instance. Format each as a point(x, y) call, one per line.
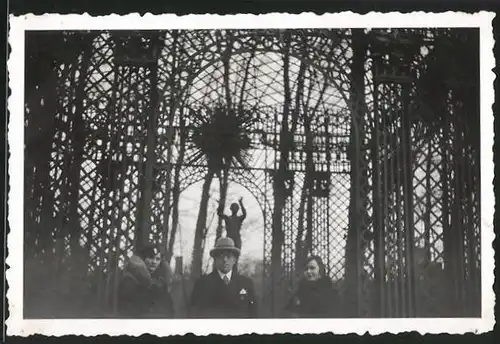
point(224, 261)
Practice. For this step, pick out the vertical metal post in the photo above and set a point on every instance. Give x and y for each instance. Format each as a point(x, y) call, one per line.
point(150, 154)
point(378, 227)
point(328, 168)
point(386, 186)
point(408, 199)
point(458, 226)
point(447, 234)
point(357, 216)
point(396, 173)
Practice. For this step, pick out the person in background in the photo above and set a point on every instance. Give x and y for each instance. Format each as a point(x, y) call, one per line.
point(144, 287)
point(315, 296)
point(223, 293)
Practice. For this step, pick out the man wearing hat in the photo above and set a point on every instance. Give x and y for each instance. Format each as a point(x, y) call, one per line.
point(223, 293)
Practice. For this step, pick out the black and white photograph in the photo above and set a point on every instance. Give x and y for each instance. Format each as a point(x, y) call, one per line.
point(250, 172)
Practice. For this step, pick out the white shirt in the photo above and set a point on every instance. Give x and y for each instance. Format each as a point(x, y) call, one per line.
point(229, 274)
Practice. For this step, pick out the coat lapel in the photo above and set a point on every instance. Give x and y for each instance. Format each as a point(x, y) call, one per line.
point(229, 292)
point(216, 278)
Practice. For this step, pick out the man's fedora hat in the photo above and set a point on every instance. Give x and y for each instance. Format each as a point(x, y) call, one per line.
point(224, 245)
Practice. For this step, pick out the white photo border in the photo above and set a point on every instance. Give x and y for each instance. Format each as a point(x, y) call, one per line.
point(16, 325)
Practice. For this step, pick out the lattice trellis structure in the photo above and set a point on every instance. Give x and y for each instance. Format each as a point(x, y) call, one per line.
point(413, 165)
point(352, 156)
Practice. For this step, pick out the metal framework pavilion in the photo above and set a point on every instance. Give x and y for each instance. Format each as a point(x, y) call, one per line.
point(364, 150)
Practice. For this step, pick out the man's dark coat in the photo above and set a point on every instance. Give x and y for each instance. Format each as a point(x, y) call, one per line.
point(212, 298)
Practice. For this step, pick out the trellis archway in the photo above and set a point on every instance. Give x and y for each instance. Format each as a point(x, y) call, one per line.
point(356, 163)
point(267, 129)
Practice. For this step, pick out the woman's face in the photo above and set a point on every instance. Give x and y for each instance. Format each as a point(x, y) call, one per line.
point(312, 271)
point(153, 262)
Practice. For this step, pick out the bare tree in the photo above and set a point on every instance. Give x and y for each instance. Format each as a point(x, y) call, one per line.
point(357, 217)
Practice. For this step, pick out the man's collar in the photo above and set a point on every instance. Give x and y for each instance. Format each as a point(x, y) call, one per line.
point(221, 274)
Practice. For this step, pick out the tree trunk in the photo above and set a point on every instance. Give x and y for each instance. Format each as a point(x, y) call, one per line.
point(354, 252)
point(279, 185)
point(176, 191)
point(245, 80)
point(223, 185)
point(379, 173)
point(170, 139)
point(223, 180)
point(63, 214)
point(299, 241)
point(147, 194)
point(201, 225)
point(281, 176)
point(226, 56)
point(428, 207)
point(79, 138)
point(39, 137)
point(301, 246)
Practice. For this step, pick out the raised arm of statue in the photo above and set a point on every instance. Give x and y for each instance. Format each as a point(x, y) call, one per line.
point(243, 210)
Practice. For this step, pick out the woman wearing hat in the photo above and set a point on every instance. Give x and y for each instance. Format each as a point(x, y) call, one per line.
point(223, 293)
point(315, 296)
point(144, 288)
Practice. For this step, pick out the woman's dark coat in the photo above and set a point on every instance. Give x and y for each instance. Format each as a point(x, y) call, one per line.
point(315, 299)
point(142, 295)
